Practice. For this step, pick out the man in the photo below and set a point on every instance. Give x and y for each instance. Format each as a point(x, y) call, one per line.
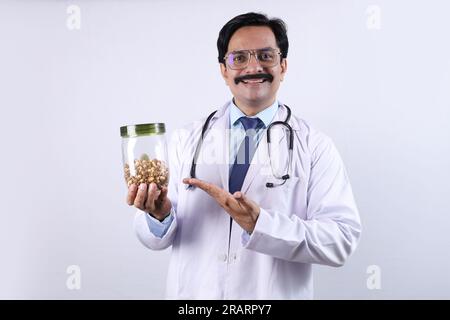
point(241, 231)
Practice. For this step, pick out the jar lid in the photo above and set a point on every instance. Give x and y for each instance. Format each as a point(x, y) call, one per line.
point(145, 129)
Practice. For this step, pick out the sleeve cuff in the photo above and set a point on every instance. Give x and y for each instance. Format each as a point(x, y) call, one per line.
point(245, 238)
point(159, 228)
point(262, 227)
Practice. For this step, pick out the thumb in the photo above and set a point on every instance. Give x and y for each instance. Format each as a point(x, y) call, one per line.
point(237, 195)
point(242, 199)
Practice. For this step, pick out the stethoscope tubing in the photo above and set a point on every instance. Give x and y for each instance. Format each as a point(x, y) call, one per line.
point(284, 123)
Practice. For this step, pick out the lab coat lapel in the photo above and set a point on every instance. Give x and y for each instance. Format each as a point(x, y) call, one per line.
point(219, 123)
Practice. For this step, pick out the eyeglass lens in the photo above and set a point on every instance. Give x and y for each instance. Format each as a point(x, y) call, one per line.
point(240, 59)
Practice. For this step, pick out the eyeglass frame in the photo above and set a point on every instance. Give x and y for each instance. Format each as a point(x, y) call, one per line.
point(252, 52)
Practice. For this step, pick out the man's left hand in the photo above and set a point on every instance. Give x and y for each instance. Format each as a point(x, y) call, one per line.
point(242, 209)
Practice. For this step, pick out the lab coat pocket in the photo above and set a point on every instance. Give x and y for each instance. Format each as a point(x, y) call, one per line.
point(275, 194)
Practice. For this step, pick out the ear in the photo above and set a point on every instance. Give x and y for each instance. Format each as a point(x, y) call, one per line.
point(283, 65)
point(224, 71)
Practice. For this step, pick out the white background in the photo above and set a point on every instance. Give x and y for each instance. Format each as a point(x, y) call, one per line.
point(382, 95)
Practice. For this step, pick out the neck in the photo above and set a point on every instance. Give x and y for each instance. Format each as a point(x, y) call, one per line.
point(250, 109)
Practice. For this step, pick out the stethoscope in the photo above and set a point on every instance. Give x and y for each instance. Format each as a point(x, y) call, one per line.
point(284, 123)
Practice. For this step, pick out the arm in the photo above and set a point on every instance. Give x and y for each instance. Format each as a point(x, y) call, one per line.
point(331, 231)
point(153, 239)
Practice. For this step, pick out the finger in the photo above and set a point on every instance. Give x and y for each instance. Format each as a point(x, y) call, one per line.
point(132, 190)
point(243, 200)
point(163, 194)
point(221, 196)
point(211, 189)
point(152, 194)
point(141, 196)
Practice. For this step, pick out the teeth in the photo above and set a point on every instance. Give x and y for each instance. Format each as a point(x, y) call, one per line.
point(254, 81)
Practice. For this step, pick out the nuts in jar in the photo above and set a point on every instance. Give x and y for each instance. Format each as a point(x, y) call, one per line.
point(147, 170)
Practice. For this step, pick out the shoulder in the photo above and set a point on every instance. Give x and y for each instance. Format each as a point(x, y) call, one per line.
point(181, 135)
point(316, 143)
point(195, 127)
point(189, 134)
point(313, 138)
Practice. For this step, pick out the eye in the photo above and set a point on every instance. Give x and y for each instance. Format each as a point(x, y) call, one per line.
point(239, 58)
point(266, 56)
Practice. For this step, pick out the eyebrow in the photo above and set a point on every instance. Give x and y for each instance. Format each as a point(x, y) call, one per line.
point(265, 48)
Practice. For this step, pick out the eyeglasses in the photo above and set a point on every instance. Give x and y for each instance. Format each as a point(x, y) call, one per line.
point(267, 57)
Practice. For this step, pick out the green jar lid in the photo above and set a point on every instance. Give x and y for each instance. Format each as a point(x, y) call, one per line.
point(145, 129)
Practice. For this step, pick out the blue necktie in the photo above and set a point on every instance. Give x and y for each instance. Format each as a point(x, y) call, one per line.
point(245, 153)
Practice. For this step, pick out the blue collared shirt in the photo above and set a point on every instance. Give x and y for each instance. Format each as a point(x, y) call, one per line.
point(237, 134)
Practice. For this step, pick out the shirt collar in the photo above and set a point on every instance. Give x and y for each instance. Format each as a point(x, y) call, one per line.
point(265, 115)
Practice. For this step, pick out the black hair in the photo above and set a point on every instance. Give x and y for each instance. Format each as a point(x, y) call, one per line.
point(277, 26)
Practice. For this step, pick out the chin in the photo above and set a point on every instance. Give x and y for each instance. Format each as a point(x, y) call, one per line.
point(257, 103)
point(255, 99)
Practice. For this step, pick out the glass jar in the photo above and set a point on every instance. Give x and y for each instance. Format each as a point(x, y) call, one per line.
point(144, 154)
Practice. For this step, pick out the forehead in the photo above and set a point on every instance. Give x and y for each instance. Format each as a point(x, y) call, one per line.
point(253, 37)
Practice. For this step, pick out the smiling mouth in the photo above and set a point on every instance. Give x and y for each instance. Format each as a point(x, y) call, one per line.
point(254, 81)
point(254, 78)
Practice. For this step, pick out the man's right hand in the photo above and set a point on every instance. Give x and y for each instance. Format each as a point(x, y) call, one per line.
point(151, 200)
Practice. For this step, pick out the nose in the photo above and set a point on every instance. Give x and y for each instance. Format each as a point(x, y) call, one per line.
point(253, 65)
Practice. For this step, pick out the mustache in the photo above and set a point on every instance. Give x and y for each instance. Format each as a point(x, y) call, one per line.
point(266, 76)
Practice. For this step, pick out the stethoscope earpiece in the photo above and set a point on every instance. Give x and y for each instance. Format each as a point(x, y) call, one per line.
point(271, 185)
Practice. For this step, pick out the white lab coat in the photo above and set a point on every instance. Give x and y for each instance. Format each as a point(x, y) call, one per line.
point(312, 219)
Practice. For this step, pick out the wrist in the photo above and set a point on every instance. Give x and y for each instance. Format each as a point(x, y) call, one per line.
point(160, 218)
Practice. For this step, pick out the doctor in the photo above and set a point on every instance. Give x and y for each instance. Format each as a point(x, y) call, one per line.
point(245, 227)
